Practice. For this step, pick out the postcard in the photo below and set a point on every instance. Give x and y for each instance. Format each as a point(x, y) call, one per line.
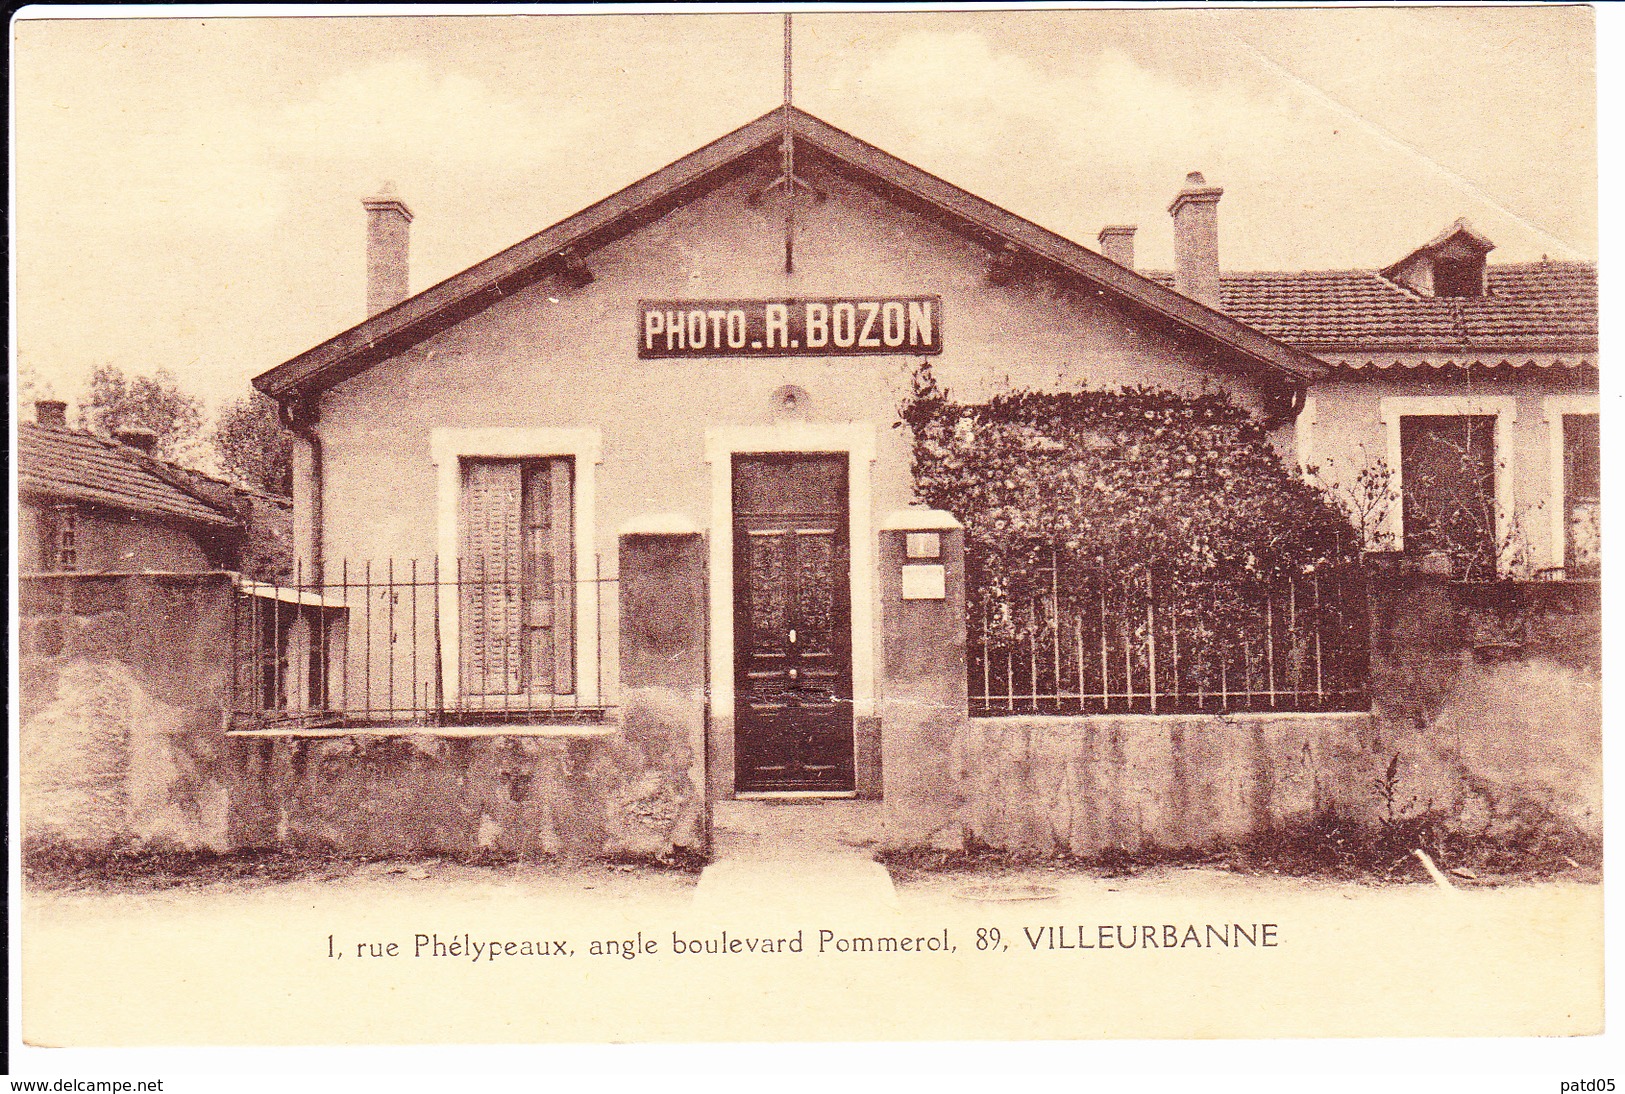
point(806, 526)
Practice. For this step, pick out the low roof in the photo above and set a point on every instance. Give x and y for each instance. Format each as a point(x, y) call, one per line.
point(68, 464)
point(390, 332)
point(1529, 312)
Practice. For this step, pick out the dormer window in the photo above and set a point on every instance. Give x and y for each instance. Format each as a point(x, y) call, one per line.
point(1458, 277)
point(1450, 266)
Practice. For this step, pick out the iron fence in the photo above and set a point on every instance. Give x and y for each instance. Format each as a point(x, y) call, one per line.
point(1085, 641)
point(403, 643)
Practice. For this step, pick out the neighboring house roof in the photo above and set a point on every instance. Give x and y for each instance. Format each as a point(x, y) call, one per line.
point(65, 463)
point(1542, 314)
point(555, 249)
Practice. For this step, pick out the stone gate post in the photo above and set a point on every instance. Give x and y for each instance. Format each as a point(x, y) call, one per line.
point(924, 698)
point(662, 656)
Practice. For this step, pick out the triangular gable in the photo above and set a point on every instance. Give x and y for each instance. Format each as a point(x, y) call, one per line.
point(556, 249)
point(1460, 233)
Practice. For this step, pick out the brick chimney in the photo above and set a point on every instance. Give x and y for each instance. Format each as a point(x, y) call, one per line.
point(1117, 243)
point(387, 232)
point(137, 437)
point(51, 412)
point(1196, 239)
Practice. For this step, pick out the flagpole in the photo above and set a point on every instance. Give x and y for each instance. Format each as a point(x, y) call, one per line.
point(789, 162)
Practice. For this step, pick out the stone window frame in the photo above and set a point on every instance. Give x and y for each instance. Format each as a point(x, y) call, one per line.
point(857, 441)
point(1304, 434)
point(449, 447)
point(1504, 408)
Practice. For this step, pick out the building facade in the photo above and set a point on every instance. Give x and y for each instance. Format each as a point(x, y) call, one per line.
point(1470, 386)
point(685, 360)
point(91, 504)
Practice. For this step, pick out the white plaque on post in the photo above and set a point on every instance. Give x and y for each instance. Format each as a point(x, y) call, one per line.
point(924, 582)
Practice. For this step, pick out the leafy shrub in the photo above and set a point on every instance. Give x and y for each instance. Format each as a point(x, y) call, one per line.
point(1075, 500)
point(1133, 480)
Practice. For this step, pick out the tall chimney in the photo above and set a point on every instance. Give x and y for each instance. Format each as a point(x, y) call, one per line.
point(1117, 243)
point(1196, 239)
point(137, 437)
point(387, 220)
point(51, 412)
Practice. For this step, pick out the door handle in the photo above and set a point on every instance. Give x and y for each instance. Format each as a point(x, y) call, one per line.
point(792, 636)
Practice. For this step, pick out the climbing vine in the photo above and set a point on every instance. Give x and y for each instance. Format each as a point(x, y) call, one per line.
point(1137, 480)
point(1081, 508)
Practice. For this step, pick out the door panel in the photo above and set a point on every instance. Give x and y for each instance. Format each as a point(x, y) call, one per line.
point(793, 664)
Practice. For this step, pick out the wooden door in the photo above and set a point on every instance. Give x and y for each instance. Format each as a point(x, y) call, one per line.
point(792, 624)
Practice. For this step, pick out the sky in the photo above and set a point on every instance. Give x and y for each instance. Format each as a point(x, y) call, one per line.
point(187, 190)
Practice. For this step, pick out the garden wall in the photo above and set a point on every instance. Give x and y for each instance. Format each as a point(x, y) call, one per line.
point(1488, 694)
point(1497, 690)
point(632, 787)
point(583, 793)
point(122, 680)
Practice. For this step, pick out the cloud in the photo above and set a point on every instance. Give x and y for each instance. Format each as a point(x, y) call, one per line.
point(975, 96)
point(402, 111)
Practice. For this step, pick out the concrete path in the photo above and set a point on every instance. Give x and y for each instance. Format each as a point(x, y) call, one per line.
point(779, 855)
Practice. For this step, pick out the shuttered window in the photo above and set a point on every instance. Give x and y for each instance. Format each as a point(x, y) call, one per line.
point(1582, 495)
point(517, 577)
point(1448, 471)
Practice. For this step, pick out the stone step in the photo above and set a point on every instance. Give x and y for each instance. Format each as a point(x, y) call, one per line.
point(793, 827)
point(823, 887)
point(794, 856)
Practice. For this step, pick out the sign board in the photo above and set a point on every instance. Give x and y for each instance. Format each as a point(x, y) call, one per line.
point(925, 582)
point(826, 327)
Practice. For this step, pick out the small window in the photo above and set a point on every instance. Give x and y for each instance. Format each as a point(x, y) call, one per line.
point(60, 536)
point(1458, 277)
point(1582, 495)
point(1448, 475)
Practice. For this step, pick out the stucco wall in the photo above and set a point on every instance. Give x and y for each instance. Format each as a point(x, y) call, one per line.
point(1344, 432)
point(1489, 696)
point(553, 356)
point(1086, 785)
point(113, 540)
point(121, 684)
point(1503, 681)
point(574, 795)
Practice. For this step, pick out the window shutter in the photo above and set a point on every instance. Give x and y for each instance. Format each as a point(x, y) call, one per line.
point(490, 574)
point(562, 545)
point(549, 584)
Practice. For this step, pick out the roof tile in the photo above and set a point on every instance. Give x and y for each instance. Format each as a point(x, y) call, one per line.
point(71, 464)
point(1527, 306)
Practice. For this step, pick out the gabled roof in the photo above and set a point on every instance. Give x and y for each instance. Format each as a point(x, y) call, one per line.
point(1529, 312)
point(75, 466)
point(1459, 230)
point(554, 249)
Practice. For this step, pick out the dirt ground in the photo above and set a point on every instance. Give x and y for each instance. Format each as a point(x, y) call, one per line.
point(589, 954)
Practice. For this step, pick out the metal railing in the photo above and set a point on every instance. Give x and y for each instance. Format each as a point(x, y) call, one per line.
point(1092, 642)
point(399, 644)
